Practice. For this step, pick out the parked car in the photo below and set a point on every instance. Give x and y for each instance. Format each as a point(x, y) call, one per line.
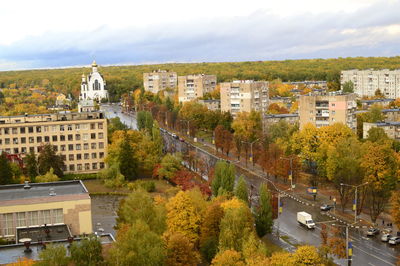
point(394, 240)
point(372, 231)
point(174, 136)
point(385, 237)
point(326, 207)
point(182, 139)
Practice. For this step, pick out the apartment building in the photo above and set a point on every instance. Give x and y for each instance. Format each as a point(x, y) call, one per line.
point(80, 138)
point(270, 119)
point(367, 82)
point(43, 210)
point(328, 108)
point(391, 128)
point(212, 105)
point(159, 80)
point(195, 86)
point(244, 96)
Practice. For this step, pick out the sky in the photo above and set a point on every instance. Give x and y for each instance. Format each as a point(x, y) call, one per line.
point(48, 33)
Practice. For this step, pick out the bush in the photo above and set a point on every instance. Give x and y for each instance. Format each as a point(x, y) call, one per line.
point(117, 182)
point(80, 176)
point(147, 185)
point(48, 177)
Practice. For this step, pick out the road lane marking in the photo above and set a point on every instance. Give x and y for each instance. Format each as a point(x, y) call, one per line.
point(374, 256)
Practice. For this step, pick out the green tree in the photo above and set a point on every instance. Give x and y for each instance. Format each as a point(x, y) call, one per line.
point(170, 164)
point(348, 87)
point(377, 134)
point(127, 163)
point(5, 170)
point(48, 177)
point(144, 121)
point(241, 190)
point(157, 139)
point(115, 124)
point(31, 166)
point(87, 252)
point(263, 215)
point(53, 255)
point(48, 159)
point(224, 178)
point(137, 245)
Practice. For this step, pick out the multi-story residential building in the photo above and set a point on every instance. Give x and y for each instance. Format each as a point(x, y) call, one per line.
point(392, 129)
point(80, 138)
point(159, 80)
point(270, 119)
point(191, 87)
point(46, 211)
point(381, 102)
point(244, 96)
point(309, 84)
point(328, 108)
point(213, 105)
point(367, 82)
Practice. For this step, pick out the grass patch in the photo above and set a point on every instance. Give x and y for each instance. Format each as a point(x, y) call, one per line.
point(271, 247)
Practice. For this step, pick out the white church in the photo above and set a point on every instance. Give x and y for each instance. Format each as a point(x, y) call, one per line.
point(93, 87)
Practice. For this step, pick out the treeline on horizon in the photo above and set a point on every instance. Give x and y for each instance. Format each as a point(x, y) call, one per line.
point(121, 79)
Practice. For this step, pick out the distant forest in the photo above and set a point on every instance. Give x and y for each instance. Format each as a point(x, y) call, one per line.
point(121, 79)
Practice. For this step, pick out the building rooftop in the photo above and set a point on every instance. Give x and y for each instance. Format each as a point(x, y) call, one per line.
point(61, 116)
point(40, 190)
point(377, 100)
point(281, 115)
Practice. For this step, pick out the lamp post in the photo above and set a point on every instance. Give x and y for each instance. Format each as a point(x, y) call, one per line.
point(349, 245)
point(355, 197)
point(251, 149)
point(291, 171)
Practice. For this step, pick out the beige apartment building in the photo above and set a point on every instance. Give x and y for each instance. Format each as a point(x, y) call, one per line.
point(367, 82)
point(212, 105)
point(81, 138)
point(195, 86)
point(159, 80)
point(328, 108)
point(391, 128)
point(244, 96)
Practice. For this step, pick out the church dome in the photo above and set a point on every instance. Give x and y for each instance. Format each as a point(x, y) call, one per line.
point(83, 75)
point(94, 63)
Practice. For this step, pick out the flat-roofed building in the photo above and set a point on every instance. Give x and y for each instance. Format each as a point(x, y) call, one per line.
point(367, 82)
point(42, 207)
point(80, 138)
point(381, 102)
point(391, 128)
point(328, 108)
point(159, 80)
point(213, 105)
point(270, 119)
point(244, 96)
point(191, 87)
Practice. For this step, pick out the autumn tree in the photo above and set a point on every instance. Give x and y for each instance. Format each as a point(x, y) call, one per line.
point(395, 207)
point(348, 87)
point(157, 138)
point(224, 178)
point(53, 255)
point(87, 252)
point(209, 231)
point(337, 243)
point(144, 121)
point(31, 167)
point(263, 214)
point(5, 170)
point(115, 124)
point(170, 164)
point(307, 255)
point(219, 138)
point(48, 159)
point(182, 217)
point(48, 177)
point(227, 141)
point(128, 166)
point(241, 190)
point(228, 258)
point(180, 251)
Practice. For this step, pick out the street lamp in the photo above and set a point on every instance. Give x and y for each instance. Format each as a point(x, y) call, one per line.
point(355, 197)
point(349, 245)
point(291, 171)
point(251, 149)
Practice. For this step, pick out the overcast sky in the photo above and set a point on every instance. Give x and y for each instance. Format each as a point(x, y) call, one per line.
point(48, 33)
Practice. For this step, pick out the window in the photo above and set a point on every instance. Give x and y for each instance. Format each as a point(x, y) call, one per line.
point(79, 156)
point(39, 139)
point(101, 145)
point(14, 130)
point(62, 138)
point(21, 219)
point(87, 166)
point(86, 156)
point(101, 165)
point(64, 158)
point(92, 126)
point(78, 147)
point(79, 167)
point(61, 127)
point(72, 167)
point(77, 137)
point(70, 137)
point(93, 135)
point(77, 126)
point(15, 140)
point(31, 149)
point(46, 128)
point(85, 136)
point(93, 146)
point(58, 216)
point(94, 155)
point(22, 130)
point(101, 155)
point(38, 129)
point(69, 127)
point(100, 125)
point(71, 157)
point(46, 139)
point(70, 147)
point(30, 129)
point(94, 166)
point(53, 128)
point(62, 147)
point(333, 104)
point(16, 150)
point(55, 147)
point(34, 218)
point(23, 140)
point(46, 217)
point(23, 149)
point(86, 146)
point(101, 135)
point(8, 224)
point(7, 131)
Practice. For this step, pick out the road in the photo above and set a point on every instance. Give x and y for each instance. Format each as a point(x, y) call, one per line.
point(367, 251)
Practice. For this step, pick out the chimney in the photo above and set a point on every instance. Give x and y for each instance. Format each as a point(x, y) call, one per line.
point(27, 186)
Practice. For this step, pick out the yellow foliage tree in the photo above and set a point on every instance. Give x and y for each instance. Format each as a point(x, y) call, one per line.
point(228, 258)
point(234, 203)
point(281, 259)
point(22, 262)
point(307, 255)
point(395, 208)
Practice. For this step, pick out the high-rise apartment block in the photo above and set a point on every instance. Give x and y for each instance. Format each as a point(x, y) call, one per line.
point(244, 96)
point(195, 86)
point(159, 80)
point(367, 82)
point(328, 108)
point(80, 138)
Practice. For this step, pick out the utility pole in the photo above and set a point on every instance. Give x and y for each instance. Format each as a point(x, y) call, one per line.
point(291, 171)
point(355, 197)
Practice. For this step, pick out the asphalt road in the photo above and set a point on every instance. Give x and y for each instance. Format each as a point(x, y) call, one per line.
point(367, 250)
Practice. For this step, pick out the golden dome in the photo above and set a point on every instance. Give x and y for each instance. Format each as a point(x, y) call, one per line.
point(83, 75)
point(94, 63)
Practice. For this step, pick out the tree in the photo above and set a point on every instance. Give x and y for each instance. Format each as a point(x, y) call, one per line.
point(395, 207)
point(224, 177)
point(31, 167)
point(139, 205)
point(115, 124)
point(254, 251)
point(377, 134)
point(307, 255)
point(337, 243)
point(144, 121)
point(281, 259)
point(137, 245)
point(241, 190)
point(228, 258)
point(209, 231)
point(348, 87)
point(48, 159)
point(219, 138)
point(87, 252)
point(157, 139)
point(180, 251)
point(127, 164)
point(227, 141)
point(48, 177)
point(169, 166)
point(53, 255)
point(22, 262)
point(264, 220)
point(182, 216)
point(5, 170)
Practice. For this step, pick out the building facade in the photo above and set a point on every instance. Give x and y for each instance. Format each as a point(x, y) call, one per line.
point(328, 108)
point(367, 82)
point(195, 86)
point(270, 119)
point(93, 87)
point(212, 105)
point(159, 80)
point(80, 138)
point(244, 96)
point(391, 128)
point(43, 205)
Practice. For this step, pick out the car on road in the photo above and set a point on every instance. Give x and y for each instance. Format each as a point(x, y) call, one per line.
point(326, 207)
point(182, 139)
point(385, 237)
point(394, 240)
point(372, 231)
point(174, 136)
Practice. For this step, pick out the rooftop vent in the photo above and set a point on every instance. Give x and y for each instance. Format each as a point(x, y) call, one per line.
point(27, 186)
point(52, 192)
